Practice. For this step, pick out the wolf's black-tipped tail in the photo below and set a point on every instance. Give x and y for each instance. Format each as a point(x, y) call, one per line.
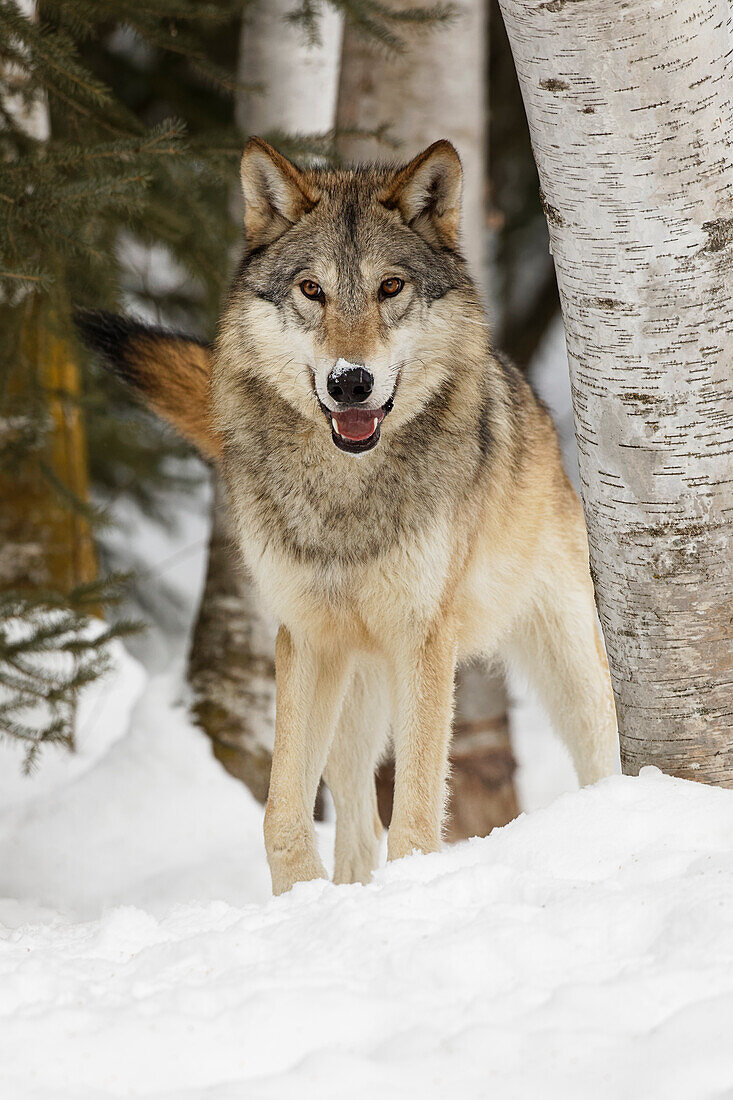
point(116, 339)
point(170, 371)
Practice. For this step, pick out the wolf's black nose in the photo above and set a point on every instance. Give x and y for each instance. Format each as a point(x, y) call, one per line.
point(349, 385)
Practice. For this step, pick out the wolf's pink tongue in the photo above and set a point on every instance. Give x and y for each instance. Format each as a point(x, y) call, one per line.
point(357, 424)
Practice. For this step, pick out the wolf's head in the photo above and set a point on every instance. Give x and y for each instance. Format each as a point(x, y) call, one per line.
point(349, 288)
point(348, 307)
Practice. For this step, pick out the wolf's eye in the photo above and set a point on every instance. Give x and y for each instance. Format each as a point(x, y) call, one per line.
point(389, 287)
point(312, 290)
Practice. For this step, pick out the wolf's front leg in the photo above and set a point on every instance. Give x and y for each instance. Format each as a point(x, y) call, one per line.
point(423, 709)
point(310, 690)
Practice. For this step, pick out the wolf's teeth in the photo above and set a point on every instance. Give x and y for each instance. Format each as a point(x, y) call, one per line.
point(334, 422)
point(375, 421)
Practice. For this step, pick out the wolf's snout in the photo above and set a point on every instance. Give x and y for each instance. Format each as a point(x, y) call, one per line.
point(349, 385)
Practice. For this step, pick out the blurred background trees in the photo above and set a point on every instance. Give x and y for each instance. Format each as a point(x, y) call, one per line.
point(121, 129)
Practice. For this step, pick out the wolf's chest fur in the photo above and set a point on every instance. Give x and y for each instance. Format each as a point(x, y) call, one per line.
point(330, 511)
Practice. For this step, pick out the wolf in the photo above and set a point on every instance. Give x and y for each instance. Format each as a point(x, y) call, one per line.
point(396, 489)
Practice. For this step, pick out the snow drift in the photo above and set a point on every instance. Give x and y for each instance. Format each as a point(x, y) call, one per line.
point(585, 949)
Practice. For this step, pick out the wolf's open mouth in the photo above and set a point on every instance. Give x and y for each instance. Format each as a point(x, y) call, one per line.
point(356, 430)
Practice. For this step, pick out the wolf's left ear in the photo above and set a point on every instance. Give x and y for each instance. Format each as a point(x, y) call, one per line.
point(275, 192)
point(428, 194)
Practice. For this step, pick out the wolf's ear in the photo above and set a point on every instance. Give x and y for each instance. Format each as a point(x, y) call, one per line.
point(428, 194)
point(170, 372)
point(275, 193)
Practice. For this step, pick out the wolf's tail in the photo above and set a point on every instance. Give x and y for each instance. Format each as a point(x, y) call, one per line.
point(171, 372)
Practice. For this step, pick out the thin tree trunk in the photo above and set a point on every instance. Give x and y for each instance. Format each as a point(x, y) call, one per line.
point(298, 78)
point(482, 792)
point(435, 89)
point(232, 660)
point(232, 663)
point(524, 299)
point(44, 541)
point(631, 115)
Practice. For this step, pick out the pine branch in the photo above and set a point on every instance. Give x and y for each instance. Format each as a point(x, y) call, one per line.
point(38, 48)
point(377, 20)
point(48, 655)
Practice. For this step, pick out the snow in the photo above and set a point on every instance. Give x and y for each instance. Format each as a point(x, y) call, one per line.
point(584, 950)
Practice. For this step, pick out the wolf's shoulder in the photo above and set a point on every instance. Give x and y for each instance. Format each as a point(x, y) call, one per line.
point(520, 391)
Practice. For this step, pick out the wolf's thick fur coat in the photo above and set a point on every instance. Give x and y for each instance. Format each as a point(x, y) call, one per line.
point(456, 535)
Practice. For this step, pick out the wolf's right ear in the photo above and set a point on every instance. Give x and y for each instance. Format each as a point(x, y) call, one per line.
point(170, 372)
point(276, 193)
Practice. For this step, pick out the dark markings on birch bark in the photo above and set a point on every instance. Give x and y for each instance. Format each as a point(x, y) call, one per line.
point(720, 234)
point(553, 85)
point(553, 215)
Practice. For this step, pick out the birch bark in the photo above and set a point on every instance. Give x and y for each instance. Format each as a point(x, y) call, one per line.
point(630, 107)
point(298, 79)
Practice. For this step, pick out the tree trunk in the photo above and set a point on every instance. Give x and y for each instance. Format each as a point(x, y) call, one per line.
point(524, 299)
point(482, 792)
point(232, 663)
point(631, 115)
point(298, 79)
point(232, 660)
point(435, 89)
point(44, 541)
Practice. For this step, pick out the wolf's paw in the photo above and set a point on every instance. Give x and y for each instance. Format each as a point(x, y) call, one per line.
point(403, 842)
point(287, 868)
point(357, 866)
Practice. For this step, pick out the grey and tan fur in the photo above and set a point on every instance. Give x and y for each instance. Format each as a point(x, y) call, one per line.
point(453, 532)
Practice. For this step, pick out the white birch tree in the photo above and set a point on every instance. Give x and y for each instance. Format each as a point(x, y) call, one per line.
point(437, 88)
point(298, 78)
point(630, 107)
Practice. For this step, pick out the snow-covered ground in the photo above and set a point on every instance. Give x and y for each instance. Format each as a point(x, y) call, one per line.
point(586, 950)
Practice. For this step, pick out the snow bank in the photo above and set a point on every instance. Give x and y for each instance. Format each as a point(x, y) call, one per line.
point(584, 950)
